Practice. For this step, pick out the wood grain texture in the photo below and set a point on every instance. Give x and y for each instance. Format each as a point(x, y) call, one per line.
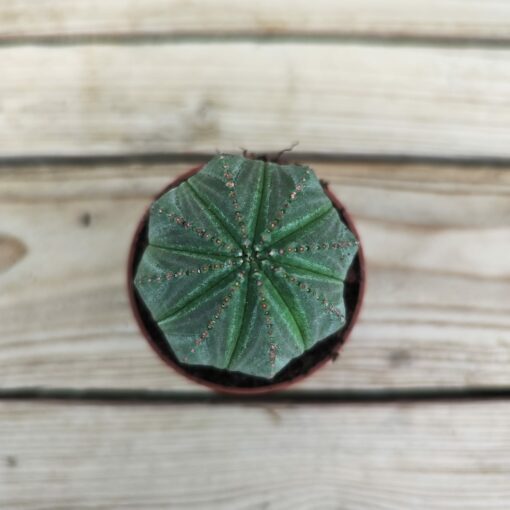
point(352, 98)
point(426, 18)
point(430, 457)
point(436, 312)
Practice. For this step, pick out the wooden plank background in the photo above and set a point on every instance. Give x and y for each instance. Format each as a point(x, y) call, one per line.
point(451, 19)
point(232, 457)
point(436, 310)
point(402, 106)
point(180, 97)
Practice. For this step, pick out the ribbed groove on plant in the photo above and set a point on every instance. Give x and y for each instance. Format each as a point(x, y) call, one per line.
point(201, 232)
point(271, 228)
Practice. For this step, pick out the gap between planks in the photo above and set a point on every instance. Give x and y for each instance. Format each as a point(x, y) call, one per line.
point(290, 38)
point(295, 397)
point(154, 158)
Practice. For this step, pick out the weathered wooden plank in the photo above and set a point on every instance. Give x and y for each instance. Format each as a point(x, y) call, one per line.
point(113, 99)
point(436, 310)
point(440, 456)
point(423, 18)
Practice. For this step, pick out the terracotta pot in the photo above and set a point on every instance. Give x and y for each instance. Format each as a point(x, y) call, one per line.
point(226, 382)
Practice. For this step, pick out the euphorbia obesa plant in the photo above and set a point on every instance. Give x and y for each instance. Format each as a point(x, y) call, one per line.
point(245, 265)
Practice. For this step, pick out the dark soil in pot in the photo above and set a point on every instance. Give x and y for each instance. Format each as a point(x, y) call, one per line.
point(235, 382)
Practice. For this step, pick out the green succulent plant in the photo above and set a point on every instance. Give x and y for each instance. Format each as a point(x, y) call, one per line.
point(245, 265)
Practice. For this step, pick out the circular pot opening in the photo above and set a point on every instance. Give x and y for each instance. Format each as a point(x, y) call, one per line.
point(235, 382)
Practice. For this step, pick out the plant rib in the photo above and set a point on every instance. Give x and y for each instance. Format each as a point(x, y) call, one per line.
point(310, 221)
point(207, 208)
point(188, 251)
point(262, 197)
point(314, 272)
point(225, 303)
point(244, 306)
point(283, 208)
point(192, 300)
point(309, 290)
point(198, 231)
point(302, 343)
